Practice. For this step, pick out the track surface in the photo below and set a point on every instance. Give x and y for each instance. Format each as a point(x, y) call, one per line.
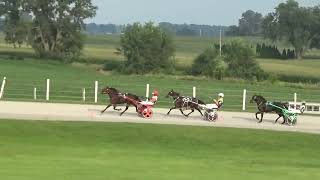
point(74, 112)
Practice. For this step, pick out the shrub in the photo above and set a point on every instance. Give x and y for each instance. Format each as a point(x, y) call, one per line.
point(241, 62)
point(147, 48)
point(112, 65)
point(208, 64)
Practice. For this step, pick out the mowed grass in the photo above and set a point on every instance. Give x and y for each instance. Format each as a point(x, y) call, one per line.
point(98, 151)
point(307, 67)
point(68, 81)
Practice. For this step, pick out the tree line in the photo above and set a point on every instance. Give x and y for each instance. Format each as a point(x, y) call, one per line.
point(176, 29)
point(273, 52)
point(290, 22)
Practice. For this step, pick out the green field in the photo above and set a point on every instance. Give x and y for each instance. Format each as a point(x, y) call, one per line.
point(68, 80)
point(102, 48)
point(305, 68)
point(99, 151)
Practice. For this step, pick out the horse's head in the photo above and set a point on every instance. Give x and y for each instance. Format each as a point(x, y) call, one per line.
point(172, 93)
point(108, 90)
point(253, 99)
point(257, 99)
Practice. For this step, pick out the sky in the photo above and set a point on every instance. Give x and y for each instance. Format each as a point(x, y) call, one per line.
point(209, 12)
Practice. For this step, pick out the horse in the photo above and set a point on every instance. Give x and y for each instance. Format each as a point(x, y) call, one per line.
point(264, 108)
point(185, 103)
point(118, 98)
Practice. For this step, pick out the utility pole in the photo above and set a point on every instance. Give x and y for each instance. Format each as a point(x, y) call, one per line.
point(220, 41)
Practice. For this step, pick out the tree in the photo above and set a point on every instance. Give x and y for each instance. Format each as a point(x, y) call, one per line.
point(208, 64)
point(15, 24)
point(1, 24)
point(55, 25)
point(147, 48)
point(240, 58)
point(250, 23)
point(233, 31)
point(297, 25)
point(186, 32)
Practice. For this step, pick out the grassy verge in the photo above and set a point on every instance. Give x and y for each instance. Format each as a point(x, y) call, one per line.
point(96, 151)
point(68, 80)
point(305, 68)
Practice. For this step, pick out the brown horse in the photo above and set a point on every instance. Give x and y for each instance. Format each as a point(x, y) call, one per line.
point(118, 98)
point(185, 103)
point(263, 107)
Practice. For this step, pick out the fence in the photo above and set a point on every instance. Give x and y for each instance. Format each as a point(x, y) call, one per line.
point(88, 93)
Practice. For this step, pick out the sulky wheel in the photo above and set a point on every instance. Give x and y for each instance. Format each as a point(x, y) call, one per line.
point(211, 116)
point(293, 120)
point(147, 112)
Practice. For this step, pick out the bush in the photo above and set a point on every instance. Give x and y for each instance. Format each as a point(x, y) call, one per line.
point(298, 79)
point(240, 58)
point(208, 64)
point(147, 48)
point(112, 65)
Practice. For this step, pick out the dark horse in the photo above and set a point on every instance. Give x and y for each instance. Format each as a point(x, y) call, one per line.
point(185, 103)
point(264, 108)
point(118, 98)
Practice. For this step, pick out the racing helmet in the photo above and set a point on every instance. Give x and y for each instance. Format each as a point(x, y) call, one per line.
point(221, 95)
point(155, 92)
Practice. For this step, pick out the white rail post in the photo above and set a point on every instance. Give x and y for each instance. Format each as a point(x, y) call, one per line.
point(48, 90)
point(2, 87)
point(244, 100)
point(35, 93)
point(96, 92)
point(194, 92)
point(295, 101)
point(84, 94)
point(147, 90)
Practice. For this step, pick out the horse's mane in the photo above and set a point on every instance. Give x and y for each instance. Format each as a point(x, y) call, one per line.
point(175, 93)
point(178, 94)
point(135, 97)
point(113, 89)
point(261, 98)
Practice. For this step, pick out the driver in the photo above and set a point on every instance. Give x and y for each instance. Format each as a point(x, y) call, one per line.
point(219, 102)
point(155, 95)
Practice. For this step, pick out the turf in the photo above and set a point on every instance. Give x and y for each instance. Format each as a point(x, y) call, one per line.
point(306, 68)
point(68, 80)
point(96, 151)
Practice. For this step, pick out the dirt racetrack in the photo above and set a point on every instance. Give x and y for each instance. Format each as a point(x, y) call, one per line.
point(75, 112)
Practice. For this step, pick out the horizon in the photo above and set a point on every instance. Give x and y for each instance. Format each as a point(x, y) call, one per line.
point(201, 12)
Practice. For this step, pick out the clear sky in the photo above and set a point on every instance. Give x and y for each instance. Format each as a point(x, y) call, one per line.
point(211, 12)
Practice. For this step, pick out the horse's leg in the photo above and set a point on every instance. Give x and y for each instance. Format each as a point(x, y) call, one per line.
point(199, 111)
point(106, 108)
point(127, 107)
point(171, 110)
point(257, 115)
point(192, 110)
point(183, 113)
point(278, 118)
point(261, 117)
point(115, 108)
point(284, 119)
